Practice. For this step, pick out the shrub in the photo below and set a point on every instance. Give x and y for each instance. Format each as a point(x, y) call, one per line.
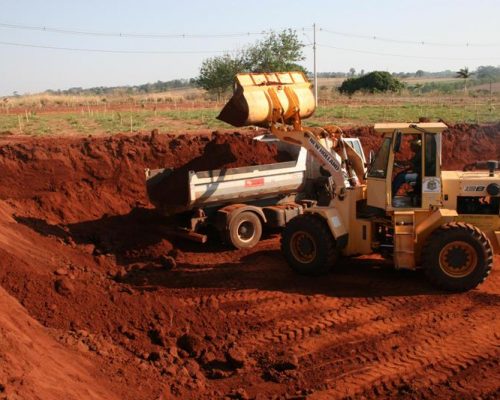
point(377, 81)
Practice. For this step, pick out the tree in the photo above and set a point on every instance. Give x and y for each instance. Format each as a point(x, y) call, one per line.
point(488, 73)
point(464, 74)
point(277, 52)
point(217, 73)
point(377, 81)
point(419, 73)
point(352, 71)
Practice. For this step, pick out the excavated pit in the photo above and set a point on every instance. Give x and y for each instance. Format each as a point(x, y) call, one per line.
point(83, 251)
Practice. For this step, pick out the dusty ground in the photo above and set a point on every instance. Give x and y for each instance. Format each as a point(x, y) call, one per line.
point(90, 306)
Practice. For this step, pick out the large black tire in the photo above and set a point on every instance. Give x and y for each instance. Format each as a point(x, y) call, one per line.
point(245, 230)
point(308, 245)
point(457, 257)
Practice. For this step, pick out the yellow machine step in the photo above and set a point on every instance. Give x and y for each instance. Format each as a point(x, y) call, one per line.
point(404, 239)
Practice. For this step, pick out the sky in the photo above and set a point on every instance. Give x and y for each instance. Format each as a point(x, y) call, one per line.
point(345, 31)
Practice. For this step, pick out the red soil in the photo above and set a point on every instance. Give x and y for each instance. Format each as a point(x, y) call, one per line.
point(35, 365)
point(82, 252)
point(221, 152)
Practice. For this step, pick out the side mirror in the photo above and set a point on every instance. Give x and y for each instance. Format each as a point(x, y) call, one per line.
point(397, 142)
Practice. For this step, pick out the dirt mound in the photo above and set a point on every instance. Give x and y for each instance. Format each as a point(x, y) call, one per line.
point(221, 152)
point(464, 144)
point(73, 179)
point(34, 366)
point(232, 151)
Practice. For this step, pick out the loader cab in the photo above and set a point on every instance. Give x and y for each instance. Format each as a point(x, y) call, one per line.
point(405, 172)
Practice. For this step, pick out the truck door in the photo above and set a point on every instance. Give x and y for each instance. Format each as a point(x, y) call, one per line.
point(378, 192)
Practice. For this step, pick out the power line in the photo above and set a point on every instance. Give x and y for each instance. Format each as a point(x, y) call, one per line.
point(135, 35)
point(159, 52)
point(113, 51)
point(415, 42)
point(404, 55)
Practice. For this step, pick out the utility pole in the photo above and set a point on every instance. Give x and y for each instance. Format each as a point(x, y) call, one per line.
point(314, 67)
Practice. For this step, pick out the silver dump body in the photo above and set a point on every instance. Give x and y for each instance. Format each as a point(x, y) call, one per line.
point(238, 185)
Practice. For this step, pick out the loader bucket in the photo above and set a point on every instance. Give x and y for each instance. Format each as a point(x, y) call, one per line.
point(263, 99)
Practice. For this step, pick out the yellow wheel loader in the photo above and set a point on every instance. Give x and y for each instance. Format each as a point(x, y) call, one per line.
point(398, 204)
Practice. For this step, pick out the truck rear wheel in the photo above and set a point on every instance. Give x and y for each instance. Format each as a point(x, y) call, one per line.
point(245, 230)
point(457, 257)
point(308, 245)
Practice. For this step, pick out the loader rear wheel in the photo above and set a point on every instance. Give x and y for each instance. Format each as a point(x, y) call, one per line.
point(308, 245)
point(245, 230)
point(457, 257)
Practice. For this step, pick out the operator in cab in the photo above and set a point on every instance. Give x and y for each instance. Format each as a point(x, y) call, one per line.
point(412, 173)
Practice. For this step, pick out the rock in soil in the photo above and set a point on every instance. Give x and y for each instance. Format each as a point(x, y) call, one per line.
point(191, 343)
point(236, 357)
point(64, 286)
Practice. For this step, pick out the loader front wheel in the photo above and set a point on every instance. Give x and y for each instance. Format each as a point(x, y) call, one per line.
point(457, 257)
point(308, 245)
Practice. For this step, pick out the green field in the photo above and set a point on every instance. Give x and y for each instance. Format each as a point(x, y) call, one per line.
point(364, 110)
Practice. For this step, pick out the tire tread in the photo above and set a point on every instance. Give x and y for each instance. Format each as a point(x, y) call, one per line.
point(432, 246)
point(328, 242)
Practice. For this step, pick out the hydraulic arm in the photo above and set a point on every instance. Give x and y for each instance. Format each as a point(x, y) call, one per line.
point(279, 101)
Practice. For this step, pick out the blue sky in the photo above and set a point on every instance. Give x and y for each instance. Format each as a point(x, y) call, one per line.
point(24, 69)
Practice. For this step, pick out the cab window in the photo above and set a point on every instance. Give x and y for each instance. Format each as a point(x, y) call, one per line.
point(430, 154)
point(378, 169)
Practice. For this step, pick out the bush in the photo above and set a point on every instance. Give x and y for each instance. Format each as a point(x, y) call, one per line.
point(377, 81)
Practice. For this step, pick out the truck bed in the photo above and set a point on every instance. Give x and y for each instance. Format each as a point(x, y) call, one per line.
point(235, 185)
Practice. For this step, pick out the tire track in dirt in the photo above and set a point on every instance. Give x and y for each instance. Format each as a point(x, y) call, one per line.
point(435, 312)
point(310, 321)
point(366, 345)
point(388, 333)
point(368, 327)
point(483, 375)
point(228, 297)
point(325, 313)
point(432, 355)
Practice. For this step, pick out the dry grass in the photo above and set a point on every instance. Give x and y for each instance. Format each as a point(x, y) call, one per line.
point(41, 101)
point(188, 109)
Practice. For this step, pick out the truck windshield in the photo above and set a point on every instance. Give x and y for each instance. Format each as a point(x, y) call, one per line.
point(378, 169)
point(356, 145)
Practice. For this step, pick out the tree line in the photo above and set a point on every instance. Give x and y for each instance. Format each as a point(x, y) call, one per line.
point(156, 87)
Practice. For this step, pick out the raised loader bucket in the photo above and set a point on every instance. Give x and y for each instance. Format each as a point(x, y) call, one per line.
point(263, 99)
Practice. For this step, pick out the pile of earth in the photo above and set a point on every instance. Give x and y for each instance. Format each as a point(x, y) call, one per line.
point(67, 179)
point(51, 371)
point(221, 152)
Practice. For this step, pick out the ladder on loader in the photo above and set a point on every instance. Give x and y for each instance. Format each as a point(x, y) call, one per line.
point(404, 239)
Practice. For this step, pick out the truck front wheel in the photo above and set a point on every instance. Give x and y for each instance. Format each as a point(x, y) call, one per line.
point(308, 245)
point(245, 230)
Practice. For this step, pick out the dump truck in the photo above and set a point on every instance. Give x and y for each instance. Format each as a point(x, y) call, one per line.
point(400, 204)
point(241, 202)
